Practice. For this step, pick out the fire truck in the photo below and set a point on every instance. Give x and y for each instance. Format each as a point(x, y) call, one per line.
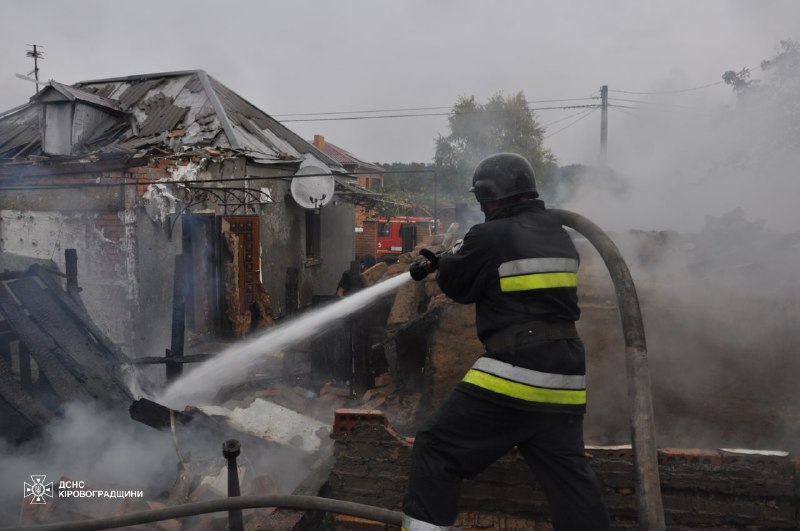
point(400, 234)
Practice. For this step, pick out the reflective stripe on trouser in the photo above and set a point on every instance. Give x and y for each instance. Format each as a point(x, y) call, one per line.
point(412, 524)
point(538, 273)
point(526, 384)
point(468, 433)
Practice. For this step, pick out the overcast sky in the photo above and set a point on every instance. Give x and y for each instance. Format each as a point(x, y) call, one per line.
point(347, 55)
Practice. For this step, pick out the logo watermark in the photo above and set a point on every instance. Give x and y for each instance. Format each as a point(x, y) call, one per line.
point(38, 491)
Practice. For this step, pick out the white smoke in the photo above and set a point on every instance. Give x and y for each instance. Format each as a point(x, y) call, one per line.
point(100, 447)
point(719, 290)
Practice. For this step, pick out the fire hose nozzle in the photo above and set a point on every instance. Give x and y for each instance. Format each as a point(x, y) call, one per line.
point(423, 268)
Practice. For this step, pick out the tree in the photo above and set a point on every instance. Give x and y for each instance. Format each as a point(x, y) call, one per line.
point(769, 107)
point(408, 189)
point(502, 124)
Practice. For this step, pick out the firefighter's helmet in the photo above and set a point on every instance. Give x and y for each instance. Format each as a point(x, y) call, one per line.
point(503, 175)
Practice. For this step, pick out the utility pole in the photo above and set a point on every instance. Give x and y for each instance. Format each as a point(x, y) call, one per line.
point(604, 126)
point(36, 54)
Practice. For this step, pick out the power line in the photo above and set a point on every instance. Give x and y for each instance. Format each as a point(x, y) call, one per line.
point(545, 126)
point(124, 182)
point(405, 115)
point(405, 109)
point(686, 112)
point(585, 114)
point(656, 103)
point(669, 91)
point(679, 91)
point(624, 110)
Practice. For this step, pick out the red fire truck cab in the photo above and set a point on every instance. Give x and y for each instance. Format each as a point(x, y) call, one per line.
point(400, 234)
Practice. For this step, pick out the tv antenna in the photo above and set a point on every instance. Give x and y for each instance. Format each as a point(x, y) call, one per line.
point(37, 54)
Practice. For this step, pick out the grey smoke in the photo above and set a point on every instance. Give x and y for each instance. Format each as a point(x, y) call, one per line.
point(720, 286)
point(88, 443)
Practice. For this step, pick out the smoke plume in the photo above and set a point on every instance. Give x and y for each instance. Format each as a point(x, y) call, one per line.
point(716, 188)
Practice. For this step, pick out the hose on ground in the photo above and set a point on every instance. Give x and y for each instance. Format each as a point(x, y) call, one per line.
point(309, 503)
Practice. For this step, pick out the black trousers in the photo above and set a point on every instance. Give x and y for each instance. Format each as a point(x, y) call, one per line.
point(468, 433)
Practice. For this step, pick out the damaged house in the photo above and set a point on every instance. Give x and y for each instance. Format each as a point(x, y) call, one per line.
point(135, 171)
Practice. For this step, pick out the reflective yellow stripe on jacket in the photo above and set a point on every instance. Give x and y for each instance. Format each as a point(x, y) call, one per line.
point(538, 273)
point(526, 384)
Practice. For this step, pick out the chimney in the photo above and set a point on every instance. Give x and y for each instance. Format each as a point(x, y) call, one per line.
point(319, 142)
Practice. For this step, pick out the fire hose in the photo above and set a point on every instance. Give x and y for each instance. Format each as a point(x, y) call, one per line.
point(648, 486)
point(308, 503)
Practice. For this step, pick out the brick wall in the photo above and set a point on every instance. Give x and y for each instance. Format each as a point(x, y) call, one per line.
point(701, 489)
point(367, 241)
point(110, 225)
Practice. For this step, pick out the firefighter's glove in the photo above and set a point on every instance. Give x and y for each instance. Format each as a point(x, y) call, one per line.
point(423, 268)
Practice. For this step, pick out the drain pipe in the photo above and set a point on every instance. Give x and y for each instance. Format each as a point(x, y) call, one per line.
point(648, 486)
point(308, 503)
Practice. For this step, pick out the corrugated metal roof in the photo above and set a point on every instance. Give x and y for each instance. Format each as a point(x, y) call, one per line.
point(163, 116)
point(18, 130)
point(75, 93)
point(136, 91)
point(210, 114)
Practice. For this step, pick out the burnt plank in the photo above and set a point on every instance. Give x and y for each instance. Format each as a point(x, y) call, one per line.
point(155, 360)
point(5, 344)
point(78, 313)
point(21, 414)
point(76, 345)
point(155, 415)
point(25, 375)
point(42, 348)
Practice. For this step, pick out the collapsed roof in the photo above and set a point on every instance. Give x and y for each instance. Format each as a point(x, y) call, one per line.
point(175, 111)
point(50, 350)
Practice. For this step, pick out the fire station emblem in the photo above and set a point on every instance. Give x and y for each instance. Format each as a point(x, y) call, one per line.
point(38, 490)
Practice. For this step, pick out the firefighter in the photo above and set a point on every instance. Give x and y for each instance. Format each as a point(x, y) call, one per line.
point(351, 280)
point(528, 388)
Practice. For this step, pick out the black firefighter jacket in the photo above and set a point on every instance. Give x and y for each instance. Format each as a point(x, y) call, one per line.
point(519, 267)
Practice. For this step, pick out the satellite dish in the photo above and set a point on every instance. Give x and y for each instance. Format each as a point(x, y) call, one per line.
point(315, 191)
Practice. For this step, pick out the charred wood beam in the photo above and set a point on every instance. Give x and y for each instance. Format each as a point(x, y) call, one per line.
point(78, 313)
point(43, 349)
point(11, 275)
point(75, 348)
point(154, 360)
point(155, 415)
point(180, 288)
point(71, 266)
point(5, 344)
point(32, 415)
point(25, 373)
